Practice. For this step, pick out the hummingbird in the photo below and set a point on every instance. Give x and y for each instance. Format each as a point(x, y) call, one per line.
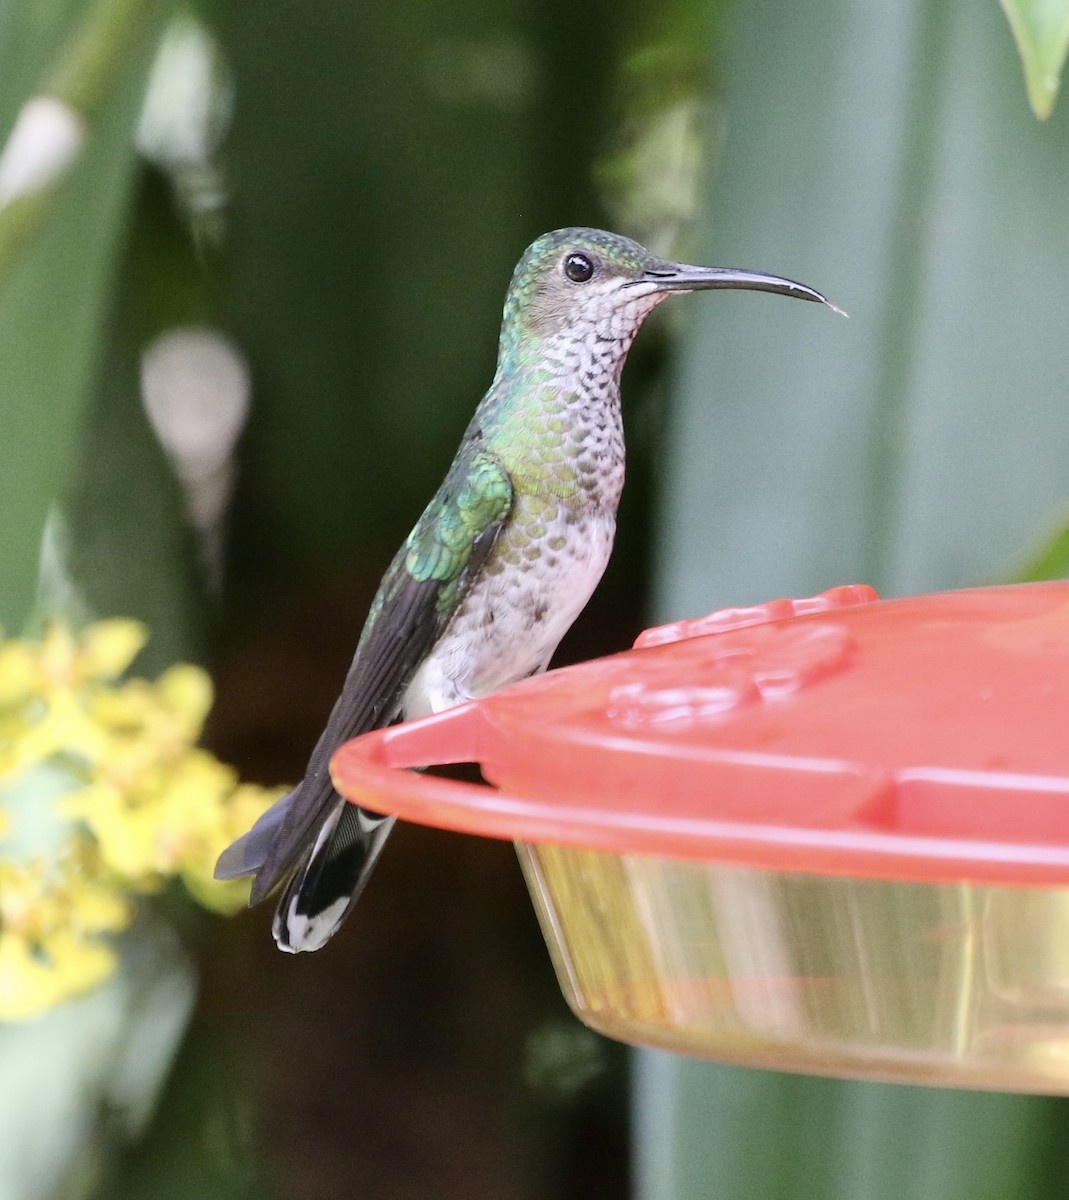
point(503, 558)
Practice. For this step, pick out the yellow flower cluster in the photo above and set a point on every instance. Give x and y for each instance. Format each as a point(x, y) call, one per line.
point(142, 804)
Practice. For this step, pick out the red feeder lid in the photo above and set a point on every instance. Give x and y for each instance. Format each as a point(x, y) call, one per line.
point(922, 739)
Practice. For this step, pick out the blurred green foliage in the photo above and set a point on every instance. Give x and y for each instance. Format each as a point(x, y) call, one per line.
point(56, 288)
point(382, 167)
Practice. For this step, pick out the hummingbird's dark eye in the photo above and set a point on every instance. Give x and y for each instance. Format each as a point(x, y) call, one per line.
point(578, 267)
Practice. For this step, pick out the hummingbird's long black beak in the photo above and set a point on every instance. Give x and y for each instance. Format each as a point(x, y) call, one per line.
point(678, 277)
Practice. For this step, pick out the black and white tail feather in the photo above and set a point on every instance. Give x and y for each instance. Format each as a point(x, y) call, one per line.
point(326, 882)
point(319, 895)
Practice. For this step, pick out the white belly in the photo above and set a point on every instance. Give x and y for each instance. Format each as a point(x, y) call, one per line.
point(518, 610)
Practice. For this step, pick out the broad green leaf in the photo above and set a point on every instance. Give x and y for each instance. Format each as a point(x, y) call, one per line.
point(920, 444)
point(52, 304)
point(57, 111)
point(1041, 30)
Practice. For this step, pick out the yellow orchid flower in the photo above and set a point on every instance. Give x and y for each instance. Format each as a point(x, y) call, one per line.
point(145, 805)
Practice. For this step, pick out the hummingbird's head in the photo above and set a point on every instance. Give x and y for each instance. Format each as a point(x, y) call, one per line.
point(575, 282)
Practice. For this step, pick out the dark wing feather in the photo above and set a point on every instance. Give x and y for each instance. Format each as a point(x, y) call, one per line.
point(422, 589)
point(374, 687)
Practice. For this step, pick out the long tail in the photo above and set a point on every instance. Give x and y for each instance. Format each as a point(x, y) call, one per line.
point(328, 881)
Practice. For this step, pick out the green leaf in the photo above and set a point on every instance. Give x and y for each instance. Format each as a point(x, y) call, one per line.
point(1050, 559)
point(31, 36)
point(1041, 30)
point(56, 111)
point(52, 304)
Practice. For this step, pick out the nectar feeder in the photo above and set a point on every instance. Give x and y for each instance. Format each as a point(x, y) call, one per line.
point(826, 835)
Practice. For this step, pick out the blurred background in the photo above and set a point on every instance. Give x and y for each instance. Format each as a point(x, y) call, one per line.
point(252, 260)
